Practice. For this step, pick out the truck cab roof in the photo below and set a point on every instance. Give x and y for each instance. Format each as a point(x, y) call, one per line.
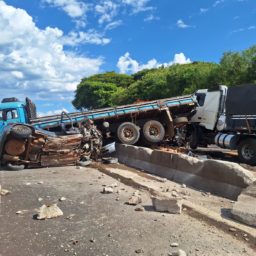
point(8, 105)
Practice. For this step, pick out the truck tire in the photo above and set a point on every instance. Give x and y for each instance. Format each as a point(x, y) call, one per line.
point(21, 131)
point(12, 167)
point(194, 137)
point(153, 131)
point(247, 151)
point(128, 133)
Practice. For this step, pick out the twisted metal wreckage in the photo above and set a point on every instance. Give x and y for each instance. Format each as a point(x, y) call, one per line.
point(25, 146)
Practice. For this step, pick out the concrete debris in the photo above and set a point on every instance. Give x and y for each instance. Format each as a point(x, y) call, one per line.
point(28, 184)
point(40, 199)
point(174, 244)
point(178, 253)
point(21, 211)
point(183, 186)
point(232, 229)
point(40, 182)
point(49, 212)
point(92, 240)
point(69, 217)
point(62, 199)
point(244, 209)
point(167, 204)
point(139, 209)
point(175, 194)
point(4, 192)
point(134, 200)
point(107, 190)
point(139, 251)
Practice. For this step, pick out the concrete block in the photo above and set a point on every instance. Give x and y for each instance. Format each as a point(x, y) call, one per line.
point(218, 177)
point(244, 210)
point(167, 204)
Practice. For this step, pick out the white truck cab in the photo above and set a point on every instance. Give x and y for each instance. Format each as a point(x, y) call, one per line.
point(210, 107)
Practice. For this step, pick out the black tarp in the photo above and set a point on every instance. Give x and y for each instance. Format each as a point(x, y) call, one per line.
point(241, 100)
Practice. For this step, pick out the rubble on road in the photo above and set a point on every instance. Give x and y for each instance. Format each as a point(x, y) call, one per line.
point(62, 199)
point(21, 212)
point(107, 190)
point(167, 204)
point(178, 253)
point(49, 212)
point(139, 209)
point(135, 199)
point(4, 192)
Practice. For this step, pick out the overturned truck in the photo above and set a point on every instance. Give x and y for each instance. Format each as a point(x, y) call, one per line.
point(23, 146)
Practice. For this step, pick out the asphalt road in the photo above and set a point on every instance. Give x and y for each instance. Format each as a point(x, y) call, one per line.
point(97, 224)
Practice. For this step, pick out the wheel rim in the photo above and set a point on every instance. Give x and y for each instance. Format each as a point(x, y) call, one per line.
point(247, 152)
point(128, 134)
point(153, 131)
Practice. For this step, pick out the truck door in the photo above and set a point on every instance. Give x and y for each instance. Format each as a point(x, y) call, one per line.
point(208, 108)
point(10, 116)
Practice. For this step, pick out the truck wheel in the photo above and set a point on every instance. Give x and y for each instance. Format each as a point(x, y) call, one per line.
point(12, 167)
point(153, 131)
point(247, 151)
point(128, 133)
point(21, 131)
point(193, 140)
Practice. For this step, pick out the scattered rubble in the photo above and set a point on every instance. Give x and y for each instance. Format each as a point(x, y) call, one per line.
point(174, 244)
point(4, 192)
point(139, 209)
point(62, 199)
point(49, 212)
point(134, 200)
point(92, 240)
point(167, 204)
point(40, 199)
point(178, 253)
point(107, 190)
point(21, 212)
point(69, 217)
point(139, 251)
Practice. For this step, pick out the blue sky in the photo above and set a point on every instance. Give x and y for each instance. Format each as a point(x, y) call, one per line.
point(47, 46)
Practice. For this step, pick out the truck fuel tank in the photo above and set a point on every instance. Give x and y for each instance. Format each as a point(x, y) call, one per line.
point(224, 140)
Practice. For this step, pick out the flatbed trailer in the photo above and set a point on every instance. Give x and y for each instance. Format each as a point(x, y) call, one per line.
point(122, 122)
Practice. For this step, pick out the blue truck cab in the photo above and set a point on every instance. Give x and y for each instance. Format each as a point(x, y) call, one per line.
point(12, 111)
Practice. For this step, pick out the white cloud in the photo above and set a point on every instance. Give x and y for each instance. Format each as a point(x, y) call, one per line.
point(151, 17)
point(126, 64)
point(52, 112)
point(138, 5)
point(203, 10)
point(182, 24)
point(73, 8)
point(243, 29)
point(90, 37)
point(107, 10)
point(218, 2)
point(33, 61)
point(113, 25)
